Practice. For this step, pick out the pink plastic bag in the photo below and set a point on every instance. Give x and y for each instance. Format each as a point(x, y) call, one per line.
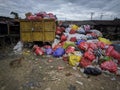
point(70, 49)
point(32, 17)
point(109, 65)
point(101, 45)
point(87, 27)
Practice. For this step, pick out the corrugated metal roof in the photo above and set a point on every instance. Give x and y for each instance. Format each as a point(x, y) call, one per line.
point(95, 22)
point(79, 22)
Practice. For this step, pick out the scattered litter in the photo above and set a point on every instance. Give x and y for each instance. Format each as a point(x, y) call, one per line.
point(102, 88)
point(32, 84)
point(113, 78)
point(68, 74)
point(79, 82)
point(48, 88)
point(60, 67)
point(50, 60)
point(72, 87)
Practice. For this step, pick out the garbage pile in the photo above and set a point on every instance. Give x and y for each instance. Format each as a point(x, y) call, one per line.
point(83, 47)
point(40, 15)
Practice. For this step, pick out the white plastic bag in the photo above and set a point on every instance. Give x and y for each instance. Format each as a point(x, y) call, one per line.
point(18, 47)
point(56, 41)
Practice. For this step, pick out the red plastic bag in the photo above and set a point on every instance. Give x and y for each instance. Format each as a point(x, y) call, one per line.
point(63, 38)
point(92, 45)
point(73, 39)
point(109, 65)
point(89, 55)
point(63, 29)
point(38, 17)
point(90, 50)
point(110, 51)
point(58, 31)
point(72, 31)
point(84, 62)
point(62, 43)
point(83, 45)
point(57, 46)
point(70, 49)
point(101, 45)
point(38, 50)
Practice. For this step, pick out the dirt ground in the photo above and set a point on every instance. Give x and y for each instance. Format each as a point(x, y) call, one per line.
point(42, 73)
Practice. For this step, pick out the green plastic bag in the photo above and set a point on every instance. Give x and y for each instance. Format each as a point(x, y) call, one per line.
point(68, 43)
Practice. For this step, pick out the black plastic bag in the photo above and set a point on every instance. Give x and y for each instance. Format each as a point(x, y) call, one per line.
point(92, 71)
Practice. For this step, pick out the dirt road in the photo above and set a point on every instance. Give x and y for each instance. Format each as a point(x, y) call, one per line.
point(48, 73)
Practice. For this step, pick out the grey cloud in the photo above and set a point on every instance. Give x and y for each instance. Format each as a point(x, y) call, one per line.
point(65, 9)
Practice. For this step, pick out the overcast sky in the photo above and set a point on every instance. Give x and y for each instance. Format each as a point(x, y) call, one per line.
point(64, 9)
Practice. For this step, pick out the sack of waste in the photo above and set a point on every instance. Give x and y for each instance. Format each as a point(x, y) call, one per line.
point(70, 49)
point(59, 52)
point(97, 32)
point(92, 71)
point(37, 50)
point(83, 45)
point(18, 47)
point(84, 62)
point(109, 65)
point(68, 43)
point(74, 59)
point(110, 51)
point(104, 40)
point(48, 51)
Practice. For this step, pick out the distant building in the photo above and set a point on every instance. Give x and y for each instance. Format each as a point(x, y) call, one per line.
point(9, 29)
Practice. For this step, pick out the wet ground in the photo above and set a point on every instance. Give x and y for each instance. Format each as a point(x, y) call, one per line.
point(48, 73)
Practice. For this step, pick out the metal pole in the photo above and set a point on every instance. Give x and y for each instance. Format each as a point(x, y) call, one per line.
point(92, 13)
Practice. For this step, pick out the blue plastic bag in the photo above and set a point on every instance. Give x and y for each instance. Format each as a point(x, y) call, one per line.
point(79, 41)
point(49, 51)
point(59, 52)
